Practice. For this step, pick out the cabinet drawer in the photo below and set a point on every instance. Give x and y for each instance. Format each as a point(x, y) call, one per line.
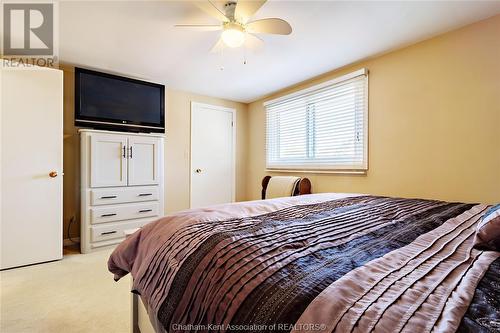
point(123, 212)
point(114, 230)
point(115, 195)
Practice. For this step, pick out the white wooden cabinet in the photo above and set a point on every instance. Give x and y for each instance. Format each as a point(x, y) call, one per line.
point(121, 184)
point(121, 160)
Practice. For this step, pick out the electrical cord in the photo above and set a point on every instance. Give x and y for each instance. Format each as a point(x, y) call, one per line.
point(71, 220)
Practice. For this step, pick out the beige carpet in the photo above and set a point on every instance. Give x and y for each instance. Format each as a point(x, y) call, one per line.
point(76, 294)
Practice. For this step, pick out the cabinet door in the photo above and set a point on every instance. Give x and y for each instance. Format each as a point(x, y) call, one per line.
point(108, 160)
point(143, 160)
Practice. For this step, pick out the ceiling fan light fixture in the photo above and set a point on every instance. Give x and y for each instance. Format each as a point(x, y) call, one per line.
point(233, 34)
point(238, 27)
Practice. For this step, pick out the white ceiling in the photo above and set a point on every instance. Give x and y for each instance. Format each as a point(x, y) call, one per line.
point(137, 38)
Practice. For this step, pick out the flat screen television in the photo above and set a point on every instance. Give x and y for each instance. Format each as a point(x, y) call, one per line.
point(106, 101)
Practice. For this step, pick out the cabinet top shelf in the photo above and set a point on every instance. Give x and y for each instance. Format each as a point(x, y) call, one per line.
point(86, 130)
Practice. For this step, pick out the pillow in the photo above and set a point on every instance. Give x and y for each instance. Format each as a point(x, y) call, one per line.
point(488, 230)
point(281, 186)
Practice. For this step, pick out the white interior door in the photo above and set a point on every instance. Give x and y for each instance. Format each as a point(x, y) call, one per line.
point(31, 166)
point(143, 160)
point(108, 160)
point(212, 155)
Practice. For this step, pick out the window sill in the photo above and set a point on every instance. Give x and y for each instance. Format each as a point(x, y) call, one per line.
point(338, 172)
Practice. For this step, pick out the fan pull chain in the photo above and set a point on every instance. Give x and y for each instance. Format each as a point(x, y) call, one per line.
point(244, 55)
point(221, 67)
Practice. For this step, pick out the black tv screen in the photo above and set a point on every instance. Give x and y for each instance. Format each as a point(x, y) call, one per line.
point(108, 101)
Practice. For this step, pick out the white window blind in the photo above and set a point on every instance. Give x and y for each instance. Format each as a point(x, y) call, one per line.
point(320, 128)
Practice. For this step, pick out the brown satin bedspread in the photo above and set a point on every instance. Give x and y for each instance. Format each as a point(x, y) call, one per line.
point(228, 265)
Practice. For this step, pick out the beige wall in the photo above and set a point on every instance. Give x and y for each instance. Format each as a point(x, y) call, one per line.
point(71, 157)
point(177, 147)
point(434, 121)
point(177, 150)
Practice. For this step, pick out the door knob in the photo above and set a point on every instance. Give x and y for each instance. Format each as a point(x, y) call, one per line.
point(53, 174)
point(198, 170)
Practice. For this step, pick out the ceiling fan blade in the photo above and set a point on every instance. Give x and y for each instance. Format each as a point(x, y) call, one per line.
point(218, 47)
point(270, 26)
point(211, 9)
point(245, 9)
point(200, 27)
point(253, 42)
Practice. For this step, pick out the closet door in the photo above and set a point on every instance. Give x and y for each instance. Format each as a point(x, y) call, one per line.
point(212, 155)
point(31, 127)
point(143, 160)
point(108, 160)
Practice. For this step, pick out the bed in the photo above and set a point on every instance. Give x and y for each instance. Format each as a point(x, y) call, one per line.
point(314, 263)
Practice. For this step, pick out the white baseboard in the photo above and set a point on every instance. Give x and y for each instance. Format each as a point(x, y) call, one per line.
point(67, 242)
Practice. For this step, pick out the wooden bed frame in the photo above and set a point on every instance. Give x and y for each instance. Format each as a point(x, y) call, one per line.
point(140, 320)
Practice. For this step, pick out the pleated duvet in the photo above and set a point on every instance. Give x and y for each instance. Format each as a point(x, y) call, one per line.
point(316, 263)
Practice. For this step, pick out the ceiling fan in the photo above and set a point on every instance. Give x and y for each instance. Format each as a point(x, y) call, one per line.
point(236, 24)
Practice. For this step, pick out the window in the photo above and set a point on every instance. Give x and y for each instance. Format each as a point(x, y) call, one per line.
point(321, 128)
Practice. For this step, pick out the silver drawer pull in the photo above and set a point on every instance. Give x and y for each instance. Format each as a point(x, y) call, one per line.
point(109, 197)
point(108, 215)
point(145, 210)
point(108, 233)
point(145, 194)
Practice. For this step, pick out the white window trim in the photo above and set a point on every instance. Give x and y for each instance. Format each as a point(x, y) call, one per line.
point(336, 80)
point(325, 169)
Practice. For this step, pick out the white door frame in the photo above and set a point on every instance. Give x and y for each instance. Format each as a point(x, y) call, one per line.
point(195, 105)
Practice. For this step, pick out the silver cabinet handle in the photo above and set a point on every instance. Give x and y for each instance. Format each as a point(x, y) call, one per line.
point(108, 215)
point(145, 210)
point(130, 152)
point(108, 233)
point(124, 152)
point(109, 197)
point(144, 194)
